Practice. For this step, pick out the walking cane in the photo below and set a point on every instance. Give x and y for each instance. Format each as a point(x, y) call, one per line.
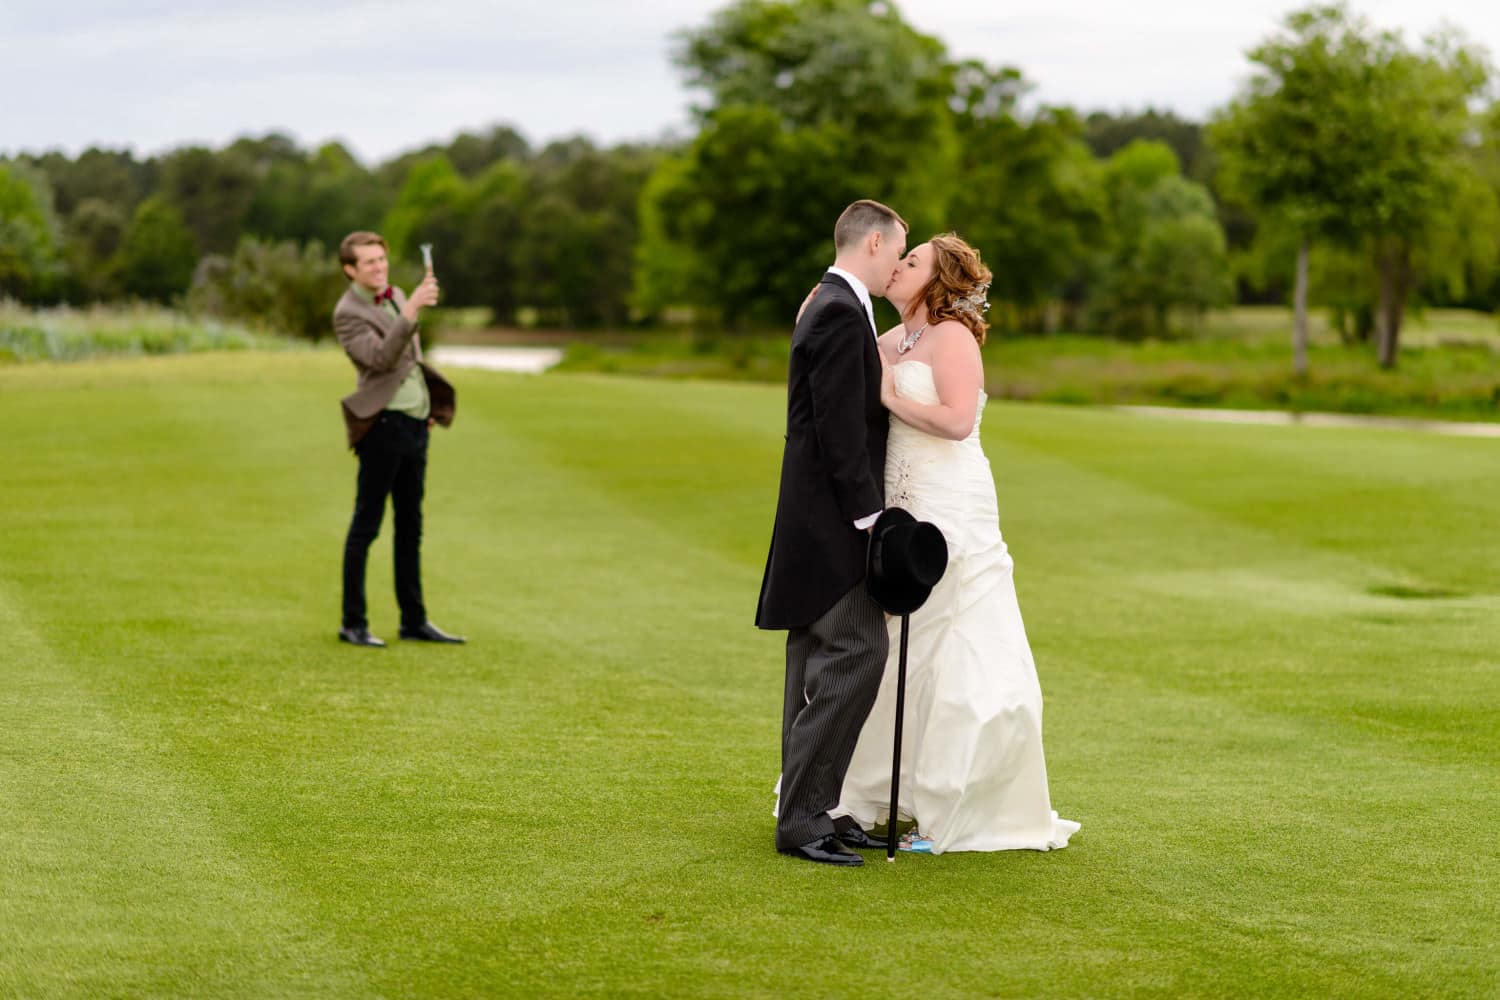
point(890, 832)
point(905, 559)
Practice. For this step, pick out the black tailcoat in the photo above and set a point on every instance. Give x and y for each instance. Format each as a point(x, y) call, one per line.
point(833, 468)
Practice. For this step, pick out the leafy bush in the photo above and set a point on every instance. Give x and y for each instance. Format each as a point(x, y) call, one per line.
point(155, 260)
point(73, 334)
point(279, 287)
point(28, 233)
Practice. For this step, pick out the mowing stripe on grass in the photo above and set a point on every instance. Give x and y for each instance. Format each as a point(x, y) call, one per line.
point(114, 868)
point(1282, 759)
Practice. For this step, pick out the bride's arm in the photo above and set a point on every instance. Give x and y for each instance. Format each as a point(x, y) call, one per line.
point(958, 372)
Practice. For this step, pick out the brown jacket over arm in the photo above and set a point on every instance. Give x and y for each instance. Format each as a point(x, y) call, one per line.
point(383, 349)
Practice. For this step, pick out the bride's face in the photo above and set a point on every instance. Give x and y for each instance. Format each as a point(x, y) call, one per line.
point(913, 272)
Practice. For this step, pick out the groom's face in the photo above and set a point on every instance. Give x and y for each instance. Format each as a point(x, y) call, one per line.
point(888, 249)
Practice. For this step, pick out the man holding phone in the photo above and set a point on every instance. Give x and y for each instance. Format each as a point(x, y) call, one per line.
point(397, 399)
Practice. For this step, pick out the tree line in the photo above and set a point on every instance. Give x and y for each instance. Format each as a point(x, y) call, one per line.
point(1355, 170)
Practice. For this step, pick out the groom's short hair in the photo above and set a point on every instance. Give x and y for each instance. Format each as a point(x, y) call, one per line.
point(860, 218)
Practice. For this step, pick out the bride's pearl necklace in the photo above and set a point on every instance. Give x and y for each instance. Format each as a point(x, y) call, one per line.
point(910, 340)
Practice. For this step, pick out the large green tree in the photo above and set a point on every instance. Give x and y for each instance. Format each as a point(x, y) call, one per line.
point(433, 190)
point(94, 235)
point(1031, 196)
point(483, 261)
point(323, 195)
point(577, 229)
point(470, 153)
point(1345, 134)
point(1291, 142)
point(29, 251)
point(749, 214)
point(1107, 132)
point(853, 65)
point(1165, 254)
point(554, 234)
point(1484, 289)
point(158, 253)
point(1424, 171)
point(808, 105)
point(213, 191)
point(665, 267)
point(113, 176)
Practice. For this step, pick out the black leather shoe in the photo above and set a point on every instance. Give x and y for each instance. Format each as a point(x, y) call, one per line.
point(827, 850)
point(359, 637)
point(853, 836)
point(428, 632)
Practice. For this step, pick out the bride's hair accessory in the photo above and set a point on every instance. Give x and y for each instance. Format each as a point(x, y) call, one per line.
point(976, 303)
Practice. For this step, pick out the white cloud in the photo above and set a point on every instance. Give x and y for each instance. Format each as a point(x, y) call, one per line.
point(152, 74)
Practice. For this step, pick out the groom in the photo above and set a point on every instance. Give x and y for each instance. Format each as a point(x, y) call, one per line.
point(832, 491)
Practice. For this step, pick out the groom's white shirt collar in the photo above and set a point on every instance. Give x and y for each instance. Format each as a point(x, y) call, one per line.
point(861, 291)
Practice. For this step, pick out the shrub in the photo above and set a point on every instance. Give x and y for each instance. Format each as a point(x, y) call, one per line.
point(275, 286)
point(63, 334)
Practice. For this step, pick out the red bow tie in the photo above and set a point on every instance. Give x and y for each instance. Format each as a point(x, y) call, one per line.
point(387, 295)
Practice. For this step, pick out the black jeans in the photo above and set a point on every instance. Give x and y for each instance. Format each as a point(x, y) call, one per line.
point(392, 461)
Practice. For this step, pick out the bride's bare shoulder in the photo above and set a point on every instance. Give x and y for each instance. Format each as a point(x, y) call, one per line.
point(953, 334)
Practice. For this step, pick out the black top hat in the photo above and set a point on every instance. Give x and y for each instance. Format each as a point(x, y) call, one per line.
point(906, 559)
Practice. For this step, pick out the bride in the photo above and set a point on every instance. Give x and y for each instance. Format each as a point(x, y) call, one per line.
point(972, 772)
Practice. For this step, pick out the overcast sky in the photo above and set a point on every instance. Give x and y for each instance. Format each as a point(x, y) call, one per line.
point(384, 77)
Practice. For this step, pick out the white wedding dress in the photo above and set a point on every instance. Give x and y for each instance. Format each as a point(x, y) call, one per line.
point(972, 771)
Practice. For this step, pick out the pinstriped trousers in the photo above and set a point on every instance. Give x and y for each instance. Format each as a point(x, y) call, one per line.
point(833, 670)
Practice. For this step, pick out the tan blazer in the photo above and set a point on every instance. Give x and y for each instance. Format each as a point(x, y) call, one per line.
point(383, 348)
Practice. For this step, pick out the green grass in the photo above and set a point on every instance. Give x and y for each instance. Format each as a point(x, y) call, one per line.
point(1449, 367)
point(1269, 659)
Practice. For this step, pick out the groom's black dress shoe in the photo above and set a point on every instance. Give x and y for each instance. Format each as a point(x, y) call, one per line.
point(826, 850)
point(853, 836)
point(428, 632)
point(359, 637)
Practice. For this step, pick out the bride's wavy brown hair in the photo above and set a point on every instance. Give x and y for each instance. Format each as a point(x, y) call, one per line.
point(957, 273)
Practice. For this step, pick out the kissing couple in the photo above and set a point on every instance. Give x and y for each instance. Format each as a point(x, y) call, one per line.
point(893, 420)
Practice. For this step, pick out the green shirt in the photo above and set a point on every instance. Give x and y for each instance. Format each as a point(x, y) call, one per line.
point(411, 396)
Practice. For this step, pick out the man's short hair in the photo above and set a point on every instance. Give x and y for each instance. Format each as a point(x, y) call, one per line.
point(359, 239)
point(860, 218)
